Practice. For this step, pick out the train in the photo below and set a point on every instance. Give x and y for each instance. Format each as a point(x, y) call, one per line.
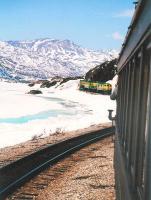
point(132, 158)
point(97, 87)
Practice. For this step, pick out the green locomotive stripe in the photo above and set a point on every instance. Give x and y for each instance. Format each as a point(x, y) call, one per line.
point(95, 86)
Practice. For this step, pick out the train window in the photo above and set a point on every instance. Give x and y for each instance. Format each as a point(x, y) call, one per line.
point(128, 104)
point(141, 138)
point(121, 99)
point(134, 113)
point(149, 46)
point(124, 76)
point(123, 102)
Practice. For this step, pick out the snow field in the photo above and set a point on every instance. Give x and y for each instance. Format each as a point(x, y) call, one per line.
point(84, 109)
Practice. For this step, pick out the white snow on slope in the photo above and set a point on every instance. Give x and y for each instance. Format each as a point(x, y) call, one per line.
point(44, 58)
point(73, 109)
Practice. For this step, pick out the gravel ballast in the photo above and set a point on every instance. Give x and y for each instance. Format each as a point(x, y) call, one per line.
point(90, 177)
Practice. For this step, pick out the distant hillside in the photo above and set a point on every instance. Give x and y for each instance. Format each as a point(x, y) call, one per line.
point(103, 72)
point(45, 58)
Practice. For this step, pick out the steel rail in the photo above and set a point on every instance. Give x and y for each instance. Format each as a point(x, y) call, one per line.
point(15, 174)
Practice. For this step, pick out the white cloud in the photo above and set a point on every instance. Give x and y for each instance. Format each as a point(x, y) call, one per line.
point(125, 13)
point(117, 36)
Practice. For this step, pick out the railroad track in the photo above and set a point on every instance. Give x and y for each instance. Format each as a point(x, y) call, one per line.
point(17, 173)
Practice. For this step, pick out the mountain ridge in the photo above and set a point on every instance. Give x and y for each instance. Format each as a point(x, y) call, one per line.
point(45, 58)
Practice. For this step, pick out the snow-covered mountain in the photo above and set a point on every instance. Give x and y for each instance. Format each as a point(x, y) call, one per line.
point(45, 58)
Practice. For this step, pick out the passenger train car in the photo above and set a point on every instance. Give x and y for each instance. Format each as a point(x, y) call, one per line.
point(133, 118)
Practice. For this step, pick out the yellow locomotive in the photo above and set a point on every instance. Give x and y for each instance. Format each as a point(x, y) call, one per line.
point(98, 87)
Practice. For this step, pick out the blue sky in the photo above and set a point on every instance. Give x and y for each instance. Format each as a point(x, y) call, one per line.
point(95, 24)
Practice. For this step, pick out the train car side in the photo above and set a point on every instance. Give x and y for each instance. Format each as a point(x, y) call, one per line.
point(133, 119)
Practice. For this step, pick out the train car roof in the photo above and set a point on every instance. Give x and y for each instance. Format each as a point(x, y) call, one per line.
point(140, 24)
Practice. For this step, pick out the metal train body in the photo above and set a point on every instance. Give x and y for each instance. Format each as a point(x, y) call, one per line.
point(102, 88)
point(133, 118)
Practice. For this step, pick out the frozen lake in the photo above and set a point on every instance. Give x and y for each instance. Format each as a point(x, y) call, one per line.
point(69, 108)
point(65, 108)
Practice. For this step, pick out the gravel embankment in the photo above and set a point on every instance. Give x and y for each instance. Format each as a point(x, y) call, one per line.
point(9, 154)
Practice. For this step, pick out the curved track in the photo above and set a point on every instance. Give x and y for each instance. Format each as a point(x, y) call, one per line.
point(22, 170)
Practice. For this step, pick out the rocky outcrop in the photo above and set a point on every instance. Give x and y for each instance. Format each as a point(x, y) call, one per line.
point(34, 92)
point(55, 80)
point(31, 84)
point(48, 84)
point(70, 78)
point(103, 72)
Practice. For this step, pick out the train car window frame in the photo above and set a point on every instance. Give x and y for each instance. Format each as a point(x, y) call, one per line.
point(147, 159)
point(140, 163)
